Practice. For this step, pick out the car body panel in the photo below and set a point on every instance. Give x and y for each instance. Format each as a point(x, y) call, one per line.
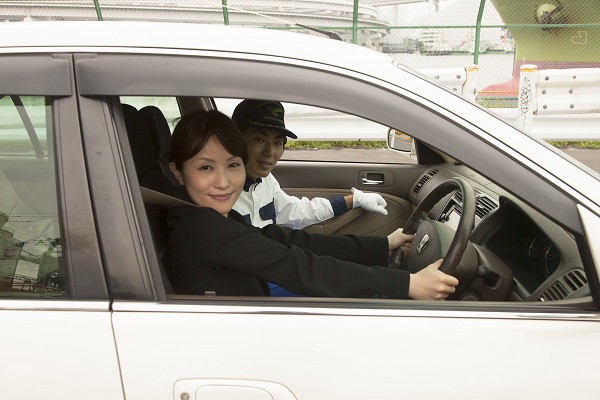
point(356, 353)
point(142, 35)
point(58, 349)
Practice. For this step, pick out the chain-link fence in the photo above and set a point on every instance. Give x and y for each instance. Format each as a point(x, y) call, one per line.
point(497, 35)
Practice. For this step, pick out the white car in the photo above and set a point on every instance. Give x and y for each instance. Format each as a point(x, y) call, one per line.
point(86, 308)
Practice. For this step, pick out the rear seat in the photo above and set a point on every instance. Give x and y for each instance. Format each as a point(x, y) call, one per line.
point(159, 128)
point(150, 176)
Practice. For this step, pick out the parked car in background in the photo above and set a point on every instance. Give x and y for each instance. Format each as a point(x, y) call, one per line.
point(86, 307)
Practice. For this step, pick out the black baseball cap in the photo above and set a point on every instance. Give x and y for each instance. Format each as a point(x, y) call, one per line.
point(261, 114)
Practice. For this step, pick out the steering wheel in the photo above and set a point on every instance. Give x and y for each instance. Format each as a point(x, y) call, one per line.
point(433, 239)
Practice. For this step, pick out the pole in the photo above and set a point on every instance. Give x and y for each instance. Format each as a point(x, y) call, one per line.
point(355, 23)
point(469, 89)
point(225, 12)
point(478, 33)
point(98, 11)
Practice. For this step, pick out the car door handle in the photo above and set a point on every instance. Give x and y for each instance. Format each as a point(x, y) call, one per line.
point(366, 181)
point(194, 389)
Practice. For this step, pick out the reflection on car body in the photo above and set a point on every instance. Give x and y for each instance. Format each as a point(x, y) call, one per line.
point(85, 299)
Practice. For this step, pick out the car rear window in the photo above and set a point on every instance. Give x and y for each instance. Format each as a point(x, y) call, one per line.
point(30, 240)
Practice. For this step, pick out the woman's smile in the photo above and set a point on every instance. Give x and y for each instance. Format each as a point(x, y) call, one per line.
point(221, 197)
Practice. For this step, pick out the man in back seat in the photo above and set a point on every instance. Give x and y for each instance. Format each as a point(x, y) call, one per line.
point(262, 201)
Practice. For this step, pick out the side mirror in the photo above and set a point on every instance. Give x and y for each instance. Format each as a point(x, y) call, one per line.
point(400, 141)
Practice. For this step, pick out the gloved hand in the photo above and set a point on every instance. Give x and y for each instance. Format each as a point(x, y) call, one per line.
point(368, 201)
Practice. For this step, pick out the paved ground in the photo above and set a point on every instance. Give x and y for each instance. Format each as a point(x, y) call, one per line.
point(591, 158)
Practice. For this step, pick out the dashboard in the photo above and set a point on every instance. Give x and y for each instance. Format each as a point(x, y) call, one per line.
point(512, 240)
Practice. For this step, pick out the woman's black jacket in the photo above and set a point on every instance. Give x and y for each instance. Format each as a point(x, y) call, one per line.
point(211, 253)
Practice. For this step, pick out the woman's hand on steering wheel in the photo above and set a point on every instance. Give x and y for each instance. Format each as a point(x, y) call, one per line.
point(431, 284)
point(399, 240)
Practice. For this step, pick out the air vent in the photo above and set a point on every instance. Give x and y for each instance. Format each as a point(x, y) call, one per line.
point(485, 205)
point(555, 292)
point(424, 180)
point(575, 279)
point(458, 196)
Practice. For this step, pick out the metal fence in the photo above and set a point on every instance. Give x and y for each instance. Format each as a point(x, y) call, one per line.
point(497, 35)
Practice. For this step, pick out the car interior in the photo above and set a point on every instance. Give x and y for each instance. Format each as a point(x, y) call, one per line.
point(508, 252)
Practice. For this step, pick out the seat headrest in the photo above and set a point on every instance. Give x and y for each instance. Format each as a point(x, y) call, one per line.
point(159, 128)
point(139, 140)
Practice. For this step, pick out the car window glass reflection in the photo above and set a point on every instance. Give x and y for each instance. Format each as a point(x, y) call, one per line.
point(30, 241)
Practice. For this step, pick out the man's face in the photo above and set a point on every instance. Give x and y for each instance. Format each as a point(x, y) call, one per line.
point(265, 148)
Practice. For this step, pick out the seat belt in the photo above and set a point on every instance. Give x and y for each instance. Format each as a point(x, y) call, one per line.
point(160, 199)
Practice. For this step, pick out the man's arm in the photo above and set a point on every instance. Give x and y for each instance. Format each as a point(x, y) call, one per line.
point(298, 213)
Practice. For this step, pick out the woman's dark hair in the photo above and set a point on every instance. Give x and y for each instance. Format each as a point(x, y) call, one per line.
point(193, 131)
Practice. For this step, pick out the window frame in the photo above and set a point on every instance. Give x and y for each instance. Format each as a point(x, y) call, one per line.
point(81, 255)
point(219, 75)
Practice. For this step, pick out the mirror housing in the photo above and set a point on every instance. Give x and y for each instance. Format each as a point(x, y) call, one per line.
point(400, 141)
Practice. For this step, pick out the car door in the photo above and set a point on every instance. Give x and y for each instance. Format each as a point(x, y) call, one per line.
point(185, 347)
point(311, 179)
point(56, 331)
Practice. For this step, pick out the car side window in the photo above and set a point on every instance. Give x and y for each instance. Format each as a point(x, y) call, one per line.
point(31, 263)
point(167, 105)
point(335, 134)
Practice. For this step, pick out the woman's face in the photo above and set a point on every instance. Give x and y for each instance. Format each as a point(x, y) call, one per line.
point(213, 177)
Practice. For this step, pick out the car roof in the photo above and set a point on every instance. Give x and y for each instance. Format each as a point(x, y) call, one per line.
point(185, 36)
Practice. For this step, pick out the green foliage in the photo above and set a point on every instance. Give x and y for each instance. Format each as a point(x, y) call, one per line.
point(322, 145)
point(20, 146)
point(319, 145)
point(578, 144)
point(497, 102)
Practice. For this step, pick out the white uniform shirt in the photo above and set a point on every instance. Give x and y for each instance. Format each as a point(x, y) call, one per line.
point(262, 202)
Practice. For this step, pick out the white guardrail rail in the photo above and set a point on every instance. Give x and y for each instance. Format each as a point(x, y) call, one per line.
point(559, 104)
point(554, 104)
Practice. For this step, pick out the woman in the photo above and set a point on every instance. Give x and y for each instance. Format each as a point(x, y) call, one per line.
point(213, 249)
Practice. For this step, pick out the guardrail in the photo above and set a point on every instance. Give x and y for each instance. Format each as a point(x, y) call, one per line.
point(462, 80)
point(559, 127)
point(569, 95)
point(553, 104)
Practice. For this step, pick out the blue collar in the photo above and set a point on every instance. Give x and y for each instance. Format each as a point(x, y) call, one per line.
point(249, 182)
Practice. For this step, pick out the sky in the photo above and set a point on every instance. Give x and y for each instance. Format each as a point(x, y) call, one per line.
point(451, 12)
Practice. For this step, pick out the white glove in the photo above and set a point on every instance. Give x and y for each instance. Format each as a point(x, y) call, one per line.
point(368, 201)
